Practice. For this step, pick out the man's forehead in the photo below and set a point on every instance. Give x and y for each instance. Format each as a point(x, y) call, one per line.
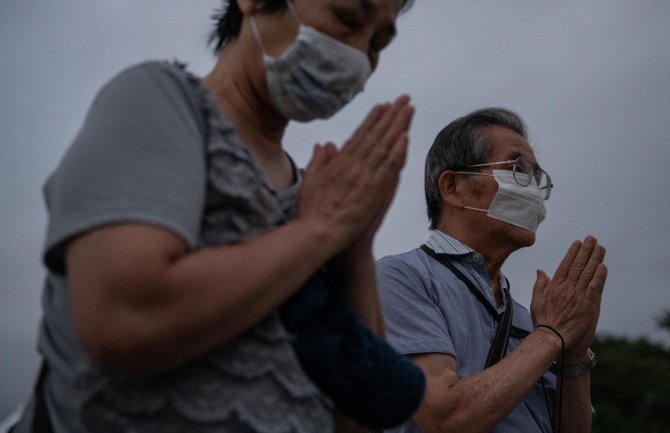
point(507, 144)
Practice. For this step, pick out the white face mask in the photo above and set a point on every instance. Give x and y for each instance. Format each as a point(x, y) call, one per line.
point(315, 76)
point(518, 205)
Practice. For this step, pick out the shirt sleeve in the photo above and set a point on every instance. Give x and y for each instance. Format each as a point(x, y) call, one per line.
point(414, 321)
point(139, 157)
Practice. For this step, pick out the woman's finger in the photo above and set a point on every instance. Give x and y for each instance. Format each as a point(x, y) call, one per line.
point(317, 161)
point(400, 124)
point(353, 144)
point(385, 148)
point(374, 137)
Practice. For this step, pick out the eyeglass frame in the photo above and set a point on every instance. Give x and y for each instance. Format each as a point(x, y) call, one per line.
point(536, 175)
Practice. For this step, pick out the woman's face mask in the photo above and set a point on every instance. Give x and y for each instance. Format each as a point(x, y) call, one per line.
point(518, 205)
point(315, 76)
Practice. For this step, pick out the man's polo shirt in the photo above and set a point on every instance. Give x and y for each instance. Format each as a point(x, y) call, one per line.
point(429, 310)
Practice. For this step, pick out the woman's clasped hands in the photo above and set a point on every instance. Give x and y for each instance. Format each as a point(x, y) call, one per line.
point(346, 192)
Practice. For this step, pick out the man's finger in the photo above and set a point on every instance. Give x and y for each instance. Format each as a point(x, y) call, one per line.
point(595, 260)
point(594, 290)
point(581, 259)
point(564, 267)
point(541, 281)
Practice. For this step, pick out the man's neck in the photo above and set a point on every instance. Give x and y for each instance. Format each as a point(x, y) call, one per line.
point(494, 253)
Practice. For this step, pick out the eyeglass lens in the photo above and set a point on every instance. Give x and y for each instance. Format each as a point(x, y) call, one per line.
point(528, 169)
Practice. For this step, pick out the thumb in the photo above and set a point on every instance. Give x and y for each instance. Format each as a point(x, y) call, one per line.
point(538, 304)
point(541, 281)
point(331, 150)
point(318, 160)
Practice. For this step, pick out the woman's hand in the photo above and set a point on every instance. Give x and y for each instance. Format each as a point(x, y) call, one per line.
point(347, 192)
point(350, 191)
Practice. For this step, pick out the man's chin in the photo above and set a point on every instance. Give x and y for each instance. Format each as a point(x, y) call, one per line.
point(525, 238)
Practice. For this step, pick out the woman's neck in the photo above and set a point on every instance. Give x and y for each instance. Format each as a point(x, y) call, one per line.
point(235, 82)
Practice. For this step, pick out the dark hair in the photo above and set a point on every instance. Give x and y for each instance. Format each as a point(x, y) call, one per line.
point(229, 20)
point(460, 144)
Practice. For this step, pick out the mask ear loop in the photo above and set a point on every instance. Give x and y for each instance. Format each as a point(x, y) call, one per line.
point(289, 3)
point(257, 34)
point(476, 208)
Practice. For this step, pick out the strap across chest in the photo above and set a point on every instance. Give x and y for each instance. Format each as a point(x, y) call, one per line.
point(499, 346)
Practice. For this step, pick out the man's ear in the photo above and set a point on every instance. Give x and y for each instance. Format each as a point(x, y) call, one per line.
point(449, 191)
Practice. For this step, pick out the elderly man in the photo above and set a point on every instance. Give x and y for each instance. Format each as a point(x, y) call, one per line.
point(490, 365)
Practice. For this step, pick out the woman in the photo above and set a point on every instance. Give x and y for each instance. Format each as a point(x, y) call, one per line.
point(178, 226)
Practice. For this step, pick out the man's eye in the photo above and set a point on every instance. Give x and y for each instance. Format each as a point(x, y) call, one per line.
point(523, 167)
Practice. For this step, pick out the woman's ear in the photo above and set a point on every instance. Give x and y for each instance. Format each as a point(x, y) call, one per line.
point(449, 191)
point(247, 7)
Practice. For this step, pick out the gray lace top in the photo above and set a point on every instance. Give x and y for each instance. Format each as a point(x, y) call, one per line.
point(155, 148)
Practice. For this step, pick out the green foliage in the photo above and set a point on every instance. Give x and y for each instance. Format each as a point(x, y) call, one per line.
point(630, 386)
point(664, 321)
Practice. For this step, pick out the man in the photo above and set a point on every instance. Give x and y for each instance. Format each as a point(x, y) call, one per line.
point(446, 302)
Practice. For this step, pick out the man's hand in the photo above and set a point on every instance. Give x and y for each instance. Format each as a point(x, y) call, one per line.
point(570, 302)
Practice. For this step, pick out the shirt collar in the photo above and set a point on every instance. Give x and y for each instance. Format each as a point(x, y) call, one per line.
point(442, 243)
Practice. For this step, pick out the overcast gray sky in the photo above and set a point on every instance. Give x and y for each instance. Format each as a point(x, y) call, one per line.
point(590, 77)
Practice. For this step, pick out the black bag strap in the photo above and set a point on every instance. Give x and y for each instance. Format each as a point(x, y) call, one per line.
point(499, 346)
point(518, 333)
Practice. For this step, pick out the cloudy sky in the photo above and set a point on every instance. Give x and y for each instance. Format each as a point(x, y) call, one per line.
point(590, 77)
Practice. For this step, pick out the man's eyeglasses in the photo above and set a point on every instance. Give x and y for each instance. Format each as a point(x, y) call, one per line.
point(524, 170)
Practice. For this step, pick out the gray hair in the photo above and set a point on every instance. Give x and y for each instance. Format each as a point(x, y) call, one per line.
point(460, 144)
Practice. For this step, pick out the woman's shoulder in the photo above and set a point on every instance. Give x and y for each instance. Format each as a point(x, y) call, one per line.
point(163, 75)
point(152, 89)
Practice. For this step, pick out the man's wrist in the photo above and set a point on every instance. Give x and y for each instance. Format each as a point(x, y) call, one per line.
point(578, 356)
point(550, 335)
point(574, 370)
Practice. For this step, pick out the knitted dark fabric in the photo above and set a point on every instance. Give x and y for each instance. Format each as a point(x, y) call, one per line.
point(367, 379)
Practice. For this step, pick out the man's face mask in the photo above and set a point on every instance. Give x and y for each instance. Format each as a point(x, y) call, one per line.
point(315, 76)
point(518, 205)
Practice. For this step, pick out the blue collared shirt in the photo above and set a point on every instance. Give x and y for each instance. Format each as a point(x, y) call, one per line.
point(429, 310)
